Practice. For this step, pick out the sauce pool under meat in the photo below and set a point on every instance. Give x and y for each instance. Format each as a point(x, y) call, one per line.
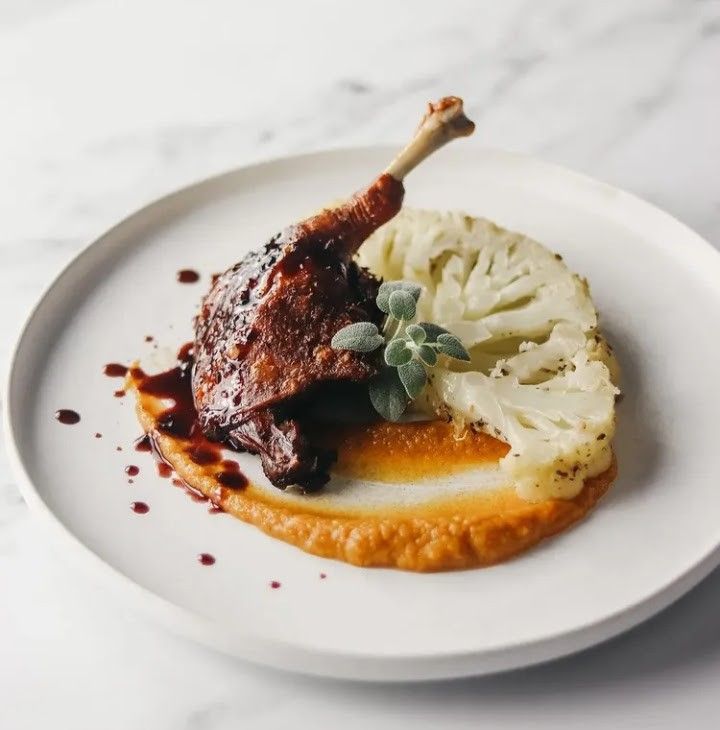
point(181, 422)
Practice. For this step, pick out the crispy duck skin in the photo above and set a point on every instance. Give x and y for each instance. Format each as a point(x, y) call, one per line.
point(262, 338)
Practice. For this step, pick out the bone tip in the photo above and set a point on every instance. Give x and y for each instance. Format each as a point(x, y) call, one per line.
point(448, 112)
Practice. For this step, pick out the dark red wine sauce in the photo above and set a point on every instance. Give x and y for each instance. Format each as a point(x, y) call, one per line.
point(180, 421)
point(232, 479)
point(187, 276)
point(164, 470)
point(67, 416)
point(143, 444)
point(115, 370)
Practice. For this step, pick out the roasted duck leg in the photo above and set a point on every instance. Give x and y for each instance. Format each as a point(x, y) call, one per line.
point(262, 338)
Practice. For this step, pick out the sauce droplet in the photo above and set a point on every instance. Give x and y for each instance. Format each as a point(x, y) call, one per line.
point(206, 559)
point(203, 454)
point(164, 470)
point(323, 576)
point(232, 479)
point(98, 435)
point(118, 448)
point(187, 276)
point(275, 584)
point(139, 508)
point(67, 416)
point(119, 393)
point(143, 444)
point(149, 338)
point(131, 470)
point(185, 353)
point(115, 370)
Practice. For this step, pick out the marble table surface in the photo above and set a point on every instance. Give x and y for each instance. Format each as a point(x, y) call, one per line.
point(105, 105)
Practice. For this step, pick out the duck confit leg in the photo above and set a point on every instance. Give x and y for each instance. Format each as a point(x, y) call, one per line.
point(262, 338)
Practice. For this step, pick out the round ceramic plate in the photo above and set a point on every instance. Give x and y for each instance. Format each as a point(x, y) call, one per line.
point(654, 536)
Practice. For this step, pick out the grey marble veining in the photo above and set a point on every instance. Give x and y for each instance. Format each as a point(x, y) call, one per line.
point(107, 105)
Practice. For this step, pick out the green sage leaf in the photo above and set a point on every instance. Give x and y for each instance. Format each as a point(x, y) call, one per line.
point(452, 347)
point(397, 353)
point(416, 333)
point(402, 305)
point(388, 287)
point(359, 336)
point(432, 331)
point(413, 377)
point(427, 355)
point(388, 395)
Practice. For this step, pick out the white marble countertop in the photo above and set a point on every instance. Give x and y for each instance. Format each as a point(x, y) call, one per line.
point(105, 105)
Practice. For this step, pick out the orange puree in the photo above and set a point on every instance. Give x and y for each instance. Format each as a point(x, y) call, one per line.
point(447, 533)
point(400, 452)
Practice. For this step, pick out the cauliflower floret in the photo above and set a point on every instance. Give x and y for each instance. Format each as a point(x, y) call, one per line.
point(481, 282)
point(559, 429)
point(540, 377)
point(533, 362)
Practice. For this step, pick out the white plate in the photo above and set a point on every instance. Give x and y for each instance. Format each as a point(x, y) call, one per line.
point(652, 538)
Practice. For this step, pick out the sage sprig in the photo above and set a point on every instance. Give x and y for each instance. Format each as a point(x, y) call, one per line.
point(359, 336)
point(408, 349)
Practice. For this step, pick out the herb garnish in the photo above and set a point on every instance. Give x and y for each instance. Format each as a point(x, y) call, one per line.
point(408, 349)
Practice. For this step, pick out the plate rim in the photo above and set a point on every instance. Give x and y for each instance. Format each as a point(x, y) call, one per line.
point(312, 660)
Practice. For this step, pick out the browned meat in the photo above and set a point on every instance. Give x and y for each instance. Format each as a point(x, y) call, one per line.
point(262, 338)
point(263, 335)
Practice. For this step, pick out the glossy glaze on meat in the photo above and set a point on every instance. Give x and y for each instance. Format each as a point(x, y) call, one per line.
point(262, 342)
